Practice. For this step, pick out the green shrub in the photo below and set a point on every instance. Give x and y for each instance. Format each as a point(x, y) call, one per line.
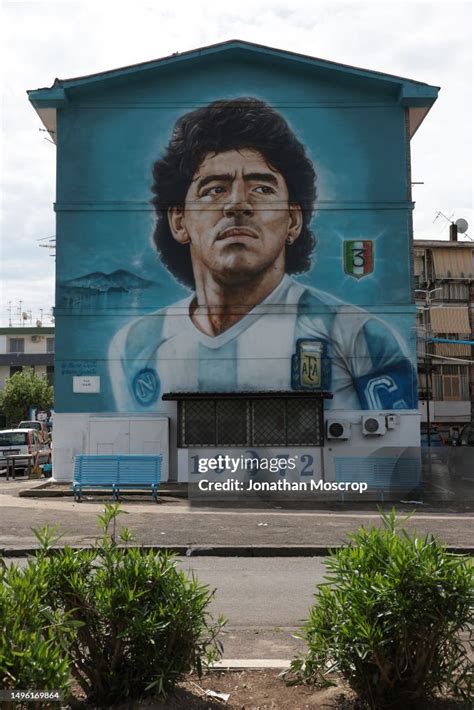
point(389, 620)
point(141, 622)
point(33, 639)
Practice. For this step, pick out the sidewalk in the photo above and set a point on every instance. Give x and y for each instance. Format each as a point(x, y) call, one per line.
point(175, 525)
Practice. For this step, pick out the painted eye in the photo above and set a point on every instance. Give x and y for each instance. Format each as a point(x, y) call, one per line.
point(216, 190)
point(264, 190)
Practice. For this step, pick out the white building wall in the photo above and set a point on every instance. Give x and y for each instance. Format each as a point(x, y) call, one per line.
point(107, 434)
point(35, 344)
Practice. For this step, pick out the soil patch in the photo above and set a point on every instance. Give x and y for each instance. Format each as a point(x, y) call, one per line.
point(258, 690)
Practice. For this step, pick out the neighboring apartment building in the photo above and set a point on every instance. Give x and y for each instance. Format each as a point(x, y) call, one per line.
point(26, 347)
point(445, 369)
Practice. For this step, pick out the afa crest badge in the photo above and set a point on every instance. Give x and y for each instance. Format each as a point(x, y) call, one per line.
point(358, 258)
point(309, 366)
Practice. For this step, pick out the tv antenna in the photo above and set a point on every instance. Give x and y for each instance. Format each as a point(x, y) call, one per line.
point(461, 224)
point(50, 244)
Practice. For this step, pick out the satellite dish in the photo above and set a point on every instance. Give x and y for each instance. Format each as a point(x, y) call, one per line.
point(462, 225)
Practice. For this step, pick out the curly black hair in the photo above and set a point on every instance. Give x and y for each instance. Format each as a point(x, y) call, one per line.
point(224, 125)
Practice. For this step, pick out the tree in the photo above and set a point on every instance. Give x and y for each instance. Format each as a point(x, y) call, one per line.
point(24, 390)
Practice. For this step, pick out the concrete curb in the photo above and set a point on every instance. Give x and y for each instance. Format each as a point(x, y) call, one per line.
point(47, 492)
point(223, 550)
point(240, 664)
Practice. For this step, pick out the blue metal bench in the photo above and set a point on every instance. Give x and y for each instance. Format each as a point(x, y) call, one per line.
point(117, 473)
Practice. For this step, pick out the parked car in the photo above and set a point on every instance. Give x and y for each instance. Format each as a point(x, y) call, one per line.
point(461, 456)
point(22, 442)
point(40, 427)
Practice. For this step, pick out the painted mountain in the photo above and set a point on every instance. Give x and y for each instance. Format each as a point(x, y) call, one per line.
point(99, 282)
point(98, 290)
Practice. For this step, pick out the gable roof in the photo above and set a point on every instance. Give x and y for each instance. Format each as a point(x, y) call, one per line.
point(417, 96)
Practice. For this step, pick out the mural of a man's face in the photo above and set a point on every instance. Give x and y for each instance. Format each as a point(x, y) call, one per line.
point(236, 217)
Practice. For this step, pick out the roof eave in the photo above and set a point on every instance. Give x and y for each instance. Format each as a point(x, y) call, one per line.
point(229, 46)
point(417, 96)
point(46, 102)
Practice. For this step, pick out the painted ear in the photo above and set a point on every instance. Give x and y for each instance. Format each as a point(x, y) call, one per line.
point(295, 222)
point(176, 222)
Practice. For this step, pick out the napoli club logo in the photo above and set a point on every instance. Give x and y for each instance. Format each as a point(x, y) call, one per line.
point(358, 258)
point(146, 386)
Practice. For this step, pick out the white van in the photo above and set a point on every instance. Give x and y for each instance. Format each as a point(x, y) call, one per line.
point(23, 441)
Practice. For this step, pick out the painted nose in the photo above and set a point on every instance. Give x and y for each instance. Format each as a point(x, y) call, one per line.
point(232, 209)
point(238, 205)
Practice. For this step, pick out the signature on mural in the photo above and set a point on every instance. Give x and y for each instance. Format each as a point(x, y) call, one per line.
point(234, 195)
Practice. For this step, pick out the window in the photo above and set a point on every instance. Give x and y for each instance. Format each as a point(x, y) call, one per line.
point(15, 368)
point(198, 423)
point(13, 438)
point(451, 387)
point(250, 422)
point(452, 291)
point(50, 345)
point(232, 422)
point(453, 383)
point(419, 266)
point(268, 422)
point(303, 421)
point(17, 345)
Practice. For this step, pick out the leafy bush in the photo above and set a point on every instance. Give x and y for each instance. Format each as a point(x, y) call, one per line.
point(141, 622)
point(33, 639)
point(389, 619)
point(23, 390)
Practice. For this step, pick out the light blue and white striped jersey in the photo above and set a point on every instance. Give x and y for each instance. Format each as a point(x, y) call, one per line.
point(367, 363)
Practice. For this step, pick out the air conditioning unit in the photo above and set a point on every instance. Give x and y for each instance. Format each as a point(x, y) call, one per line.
point(338, 429)
point(374, 425)
point(36, 338)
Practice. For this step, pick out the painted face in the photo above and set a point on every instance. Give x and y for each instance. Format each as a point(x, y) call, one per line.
point(236, 217)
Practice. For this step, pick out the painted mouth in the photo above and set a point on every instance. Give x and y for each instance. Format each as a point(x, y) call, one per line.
point(236, 232)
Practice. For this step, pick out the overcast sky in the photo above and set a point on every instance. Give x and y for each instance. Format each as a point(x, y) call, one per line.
point(425, 41)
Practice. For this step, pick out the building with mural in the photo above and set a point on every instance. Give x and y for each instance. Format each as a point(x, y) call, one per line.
point(234, 250)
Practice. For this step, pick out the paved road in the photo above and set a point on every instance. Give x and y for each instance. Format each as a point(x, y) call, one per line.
point(265, 600)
